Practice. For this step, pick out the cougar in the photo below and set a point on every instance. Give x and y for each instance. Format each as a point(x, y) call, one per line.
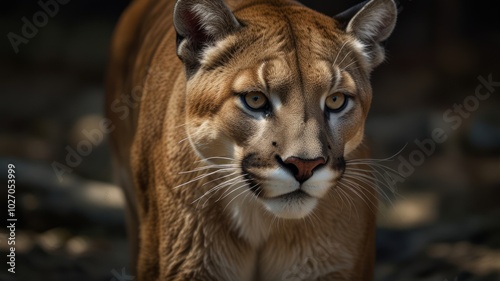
point(239, 126)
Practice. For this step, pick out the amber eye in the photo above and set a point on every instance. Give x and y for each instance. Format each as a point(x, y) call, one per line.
point(336, 102)
point(255, 100)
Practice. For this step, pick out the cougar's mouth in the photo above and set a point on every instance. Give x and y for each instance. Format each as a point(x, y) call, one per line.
point(294, 195)
point(281, 193)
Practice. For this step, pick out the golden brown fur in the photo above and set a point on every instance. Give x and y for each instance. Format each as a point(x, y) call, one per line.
point(169, 116)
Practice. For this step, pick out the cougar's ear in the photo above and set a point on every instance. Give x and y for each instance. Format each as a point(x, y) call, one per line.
point(371, 22)
point(199, 24)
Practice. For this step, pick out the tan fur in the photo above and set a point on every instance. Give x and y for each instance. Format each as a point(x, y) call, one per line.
point(161, 136)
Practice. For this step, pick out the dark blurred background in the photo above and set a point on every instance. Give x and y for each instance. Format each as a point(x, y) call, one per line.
point(442, 222)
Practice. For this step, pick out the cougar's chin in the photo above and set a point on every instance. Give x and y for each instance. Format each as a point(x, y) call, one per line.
point(293, 205)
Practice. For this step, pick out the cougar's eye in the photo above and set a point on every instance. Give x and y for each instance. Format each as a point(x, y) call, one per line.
point(255, 100)
point(336, 102)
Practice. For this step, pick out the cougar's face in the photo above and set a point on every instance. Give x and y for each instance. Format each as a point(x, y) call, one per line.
point(280, 105)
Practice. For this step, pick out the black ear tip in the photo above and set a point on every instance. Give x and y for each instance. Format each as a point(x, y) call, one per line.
point(344, 17)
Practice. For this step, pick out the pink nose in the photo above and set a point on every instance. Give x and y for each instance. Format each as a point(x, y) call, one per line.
point(302, 169)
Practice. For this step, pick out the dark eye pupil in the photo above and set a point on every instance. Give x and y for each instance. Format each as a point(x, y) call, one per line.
point(255, 100)
point(334, 99)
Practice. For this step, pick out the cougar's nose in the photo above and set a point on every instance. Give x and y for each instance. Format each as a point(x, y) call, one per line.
point(302, 169)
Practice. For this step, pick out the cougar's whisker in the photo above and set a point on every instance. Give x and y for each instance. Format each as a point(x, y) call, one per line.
point(380, 191)
point(203, 176)
point(382, 159)
point(348, 199)
point(244, 190)
point(226, 194)
point(374, 174)
point(348, 53)
point(337, 56)
point(217, 157)
point(227, 166)
point(219, 178)
point(365, 198)
point(218, 187)
point(355, 174)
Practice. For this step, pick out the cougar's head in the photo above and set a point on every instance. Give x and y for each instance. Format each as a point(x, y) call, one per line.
point(278, 94)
